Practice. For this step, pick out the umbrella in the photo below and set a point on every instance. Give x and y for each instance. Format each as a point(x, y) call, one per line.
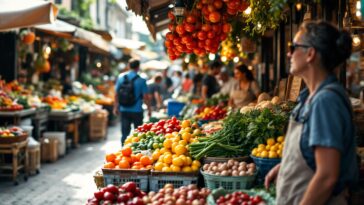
point(25, 13)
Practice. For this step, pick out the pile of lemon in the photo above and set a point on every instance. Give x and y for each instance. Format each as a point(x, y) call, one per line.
point(174, 156)
point(273, 148)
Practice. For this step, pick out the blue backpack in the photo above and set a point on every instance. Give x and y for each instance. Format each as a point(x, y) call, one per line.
point(126, 95)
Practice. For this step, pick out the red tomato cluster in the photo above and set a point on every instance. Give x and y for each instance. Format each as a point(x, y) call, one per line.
point(161, 127)
point(203, 28)
point(128, 193)
point(238, 198)
point(211, 113)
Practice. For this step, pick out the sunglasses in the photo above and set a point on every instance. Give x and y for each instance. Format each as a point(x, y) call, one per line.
point(293, 46)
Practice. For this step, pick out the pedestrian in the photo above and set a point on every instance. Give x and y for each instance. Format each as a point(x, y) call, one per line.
point(246, 90)
point(227, 82)
point(210, 85)
point(187, 83)
point(167, 84)
point(319, 156)
point(131, 91)
point(155, 91)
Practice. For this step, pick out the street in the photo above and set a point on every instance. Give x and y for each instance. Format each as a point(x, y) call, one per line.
point(68, 181)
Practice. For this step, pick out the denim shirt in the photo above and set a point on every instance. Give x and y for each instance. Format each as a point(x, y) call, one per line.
point(327, 122)
point(140, 88)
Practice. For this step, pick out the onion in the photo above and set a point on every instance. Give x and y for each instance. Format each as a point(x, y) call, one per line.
point(251, 165)
point(224, 173)
point(242, 164)
point(146, 199)
point(151, 194)
point(192, 186)
point(168, 191)
point(242, 173)
point(168, 186)
point(206, 167)
point(235, 167)
point(236, 163)
point(180, 202)
point(223, 167)
point(230, 163)
point(213, 164)
point(235, 173)
point(196, 202)
point(214, 168)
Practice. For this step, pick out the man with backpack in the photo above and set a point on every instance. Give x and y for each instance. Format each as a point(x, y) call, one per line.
point(131, 91)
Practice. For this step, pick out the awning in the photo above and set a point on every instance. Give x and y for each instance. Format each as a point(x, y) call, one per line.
point(24, 13)
point(144, 55)
point(96, 40)
point(127, 43)
point(58, 28)
point(155, 65)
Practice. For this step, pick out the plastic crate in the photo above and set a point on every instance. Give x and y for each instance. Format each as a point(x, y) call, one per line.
point(174, 108)
point(228, 182)
point(158, 179)
point(265, 165)
point(121, 176)
point(268, 198)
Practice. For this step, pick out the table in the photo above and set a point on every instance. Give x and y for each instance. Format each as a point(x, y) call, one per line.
point(39, 121)
point(19, 152)
point(15, 117)
point(66, 122)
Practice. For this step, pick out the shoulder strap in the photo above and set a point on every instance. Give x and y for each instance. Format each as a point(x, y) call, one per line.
point(135, 77)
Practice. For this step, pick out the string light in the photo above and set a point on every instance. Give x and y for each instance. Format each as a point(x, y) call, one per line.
point(212, 56)
point(356, 41)
point(236, 60)
point(248, 11)
point(98, 64)
point(223, 58)
point(299, 6)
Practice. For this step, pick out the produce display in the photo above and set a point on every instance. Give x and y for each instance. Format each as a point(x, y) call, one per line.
point(203, 28)
point(7, 103)
point(125, 159)
point(241, 133)
point(185, 195)
point(11, 132)
point(210, 113)
point(145, 141)
point(240, 198)
point(161, 127)
point(230, 168)
point(272, 149)
point(60, 104)
point(127, 194)
point(174, 155)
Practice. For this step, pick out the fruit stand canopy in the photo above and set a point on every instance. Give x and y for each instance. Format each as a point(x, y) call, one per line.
point(154, 12)
point(24, 13)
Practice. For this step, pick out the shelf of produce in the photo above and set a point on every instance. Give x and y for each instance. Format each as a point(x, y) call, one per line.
point(66, 121)
point(15, 117)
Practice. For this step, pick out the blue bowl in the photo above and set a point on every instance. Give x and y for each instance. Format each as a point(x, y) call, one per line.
point(265, 164)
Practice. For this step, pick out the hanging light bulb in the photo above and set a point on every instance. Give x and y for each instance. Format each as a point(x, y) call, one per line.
point(187, 59)
point(223, 58)
point(356, 40)
point(212, 56)
point(236, 59)
point(248, 11)
point(179, 8)
point(299, 6)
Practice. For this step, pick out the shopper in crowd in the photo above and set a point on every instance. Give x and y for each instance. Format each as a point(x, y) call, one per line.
point(187, 83)
point(246, 90)
point(227, 82)
point(210, 86)
point(131, 90)
point(197, 84)
point(155, 91)
point(319, 160)
point(167, 84)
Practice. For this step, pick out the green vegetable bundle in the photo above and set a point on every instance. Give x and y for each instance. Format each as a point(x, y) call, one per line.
point(241, 133)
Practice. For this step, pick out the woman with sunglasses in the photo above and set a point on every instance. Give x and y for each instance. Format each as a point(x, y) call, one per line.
point(319, 160)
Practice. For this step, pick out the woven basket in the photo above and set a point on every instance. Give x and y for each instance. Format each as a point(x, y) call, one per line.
point(10, 140)
point(99, 179)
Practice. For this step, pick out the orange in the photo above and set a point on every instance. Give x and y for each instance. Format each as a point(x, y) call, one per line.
point(149, 167)
point(135, 139)
point(136, 167)
point(168, 159)
point(109, 165)
point(158, 166)
point(129, 159)
point(166, 169)
point(174, 146)
point(186, 136)
point(145, 160)
point(123, 164)
point(175, 168)
point(110, 157)
point(183, 142)
point(194, 168)
point(138, 156)
point(118, 159)
point(168, 136)
point(196, 163)
point(156, 155)
point(137, 163)
point(188, 161)
point(127, 151)
point(134, 158)
point(187, 169)
point(186, 123)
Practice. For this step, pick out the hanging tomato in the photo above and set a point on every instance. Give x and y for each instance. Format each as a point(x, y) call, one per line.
point(28, 37)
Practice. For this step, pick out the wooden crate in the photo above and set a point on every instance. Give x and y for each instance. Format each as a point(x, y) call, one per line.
point(49, 149)
point(34, 159)
point(98, 125)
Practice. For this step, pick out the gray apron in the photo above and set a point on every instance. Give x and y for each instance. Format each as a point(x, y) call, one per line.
point(294, 174)
point(242, 97)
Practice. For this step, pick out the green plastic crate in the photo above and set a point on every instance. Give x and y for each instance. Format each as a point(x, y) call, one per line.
point(121, 176)
point(158, 179)
point(228, 182)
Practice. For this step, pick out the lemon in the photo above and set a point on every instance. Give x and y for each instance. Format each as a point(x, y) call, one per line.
point(261, 146)
point(178, 162)
point(274, 148)
point(183, 142)
point(158, 166)
point(167, 143)
point(186, 123)
point(271, 141)
point(180, 149)
point(273, 154)
point(254, 151)
point(196, 163)
point(264, 154)
point(268, 147)
point(194, 168)
point(280, 139)
point(166, 169)
point(175, 168)
point(187, 169)
point(260, 149)
point(186, 136)
point(168, 159)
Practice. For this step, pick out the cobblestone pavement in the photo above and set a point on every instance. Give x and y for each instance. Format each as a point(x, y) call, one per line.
point(68, 181)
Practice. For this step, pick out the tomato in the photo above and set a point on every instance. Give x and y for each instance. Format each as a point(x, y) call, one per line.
point(223, 37)
point(191, 19)
point(191, 45)
point(123, 198)
point(218, 4)
point(201, 44)
point(201, 35)
point(189, 27)
point(177, 41)
point(129, 186)
point(171, 27)
point(205, 10)
point(171, 15)
point(180, 29)
point(243, 6)
point(211, 8)
point(226, 28)
point(99, 195)
point(208, 42)
point(210, 34)
point(257, 199)
point(206, 27)
point(169, 36)
point(214, 17)
point(233, 4)
point(172, 57)
point(216, 28)
point(112, 189)
point(206, 1)
point(186, 39)
point(232, 11)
